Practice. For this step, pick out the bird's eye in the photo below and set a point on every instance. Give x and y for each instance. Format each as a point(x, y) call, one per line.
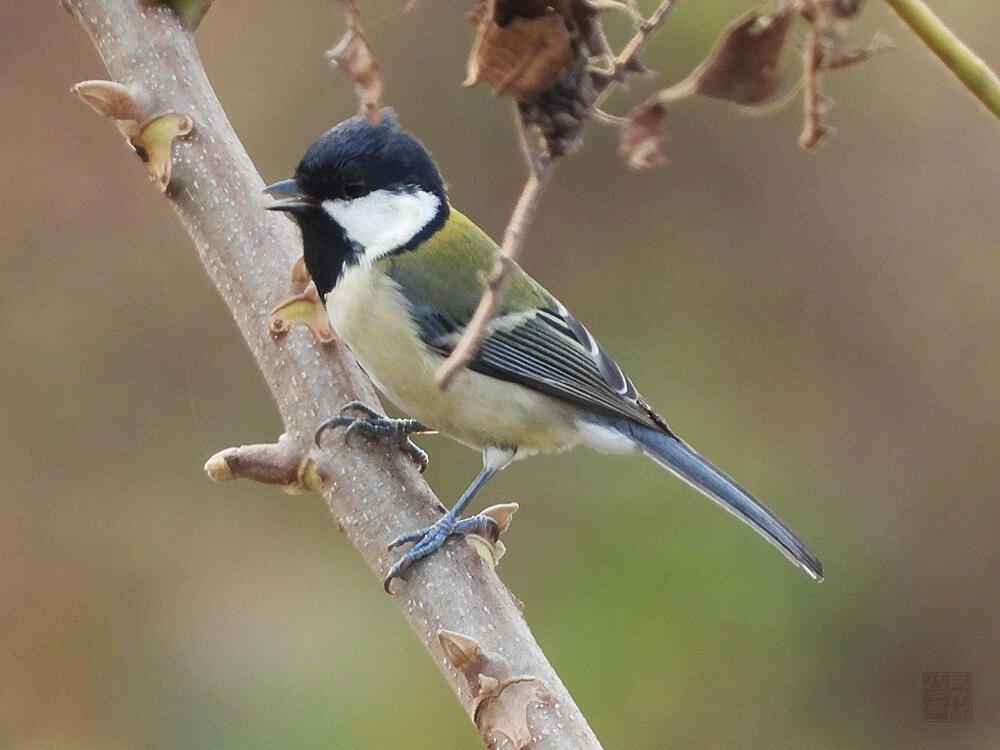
point(355, 188)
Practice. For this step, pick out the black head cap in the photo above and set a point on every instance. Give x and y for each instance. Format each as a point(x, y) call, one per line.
point(356, 157)
point(347, 162)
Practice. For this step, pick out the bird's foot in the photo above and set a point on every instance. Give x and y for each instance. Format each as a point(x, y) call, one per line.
point(374, 424)
point(429, 539)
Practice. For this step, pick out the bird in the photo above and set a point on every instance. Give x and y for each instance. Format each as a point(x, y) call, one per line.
point(400, 272)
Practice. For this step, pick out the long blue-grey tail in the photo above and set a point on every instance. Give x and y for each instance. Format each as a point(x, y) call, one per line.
point(681, 459)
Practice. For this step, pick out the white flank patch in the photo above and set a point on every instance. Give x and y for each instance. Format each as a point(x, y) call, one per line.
point(498, 458)
point(604, 439)
point(383, 220)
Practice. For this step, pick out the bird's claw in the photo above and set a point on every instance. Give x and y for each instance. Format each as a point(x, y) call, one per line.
point(363, 408)
point(431, 538)
point(379, 425)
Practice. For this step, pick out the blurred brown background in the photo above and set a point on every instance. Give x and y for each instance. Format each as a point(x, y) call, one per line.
point(825, 326)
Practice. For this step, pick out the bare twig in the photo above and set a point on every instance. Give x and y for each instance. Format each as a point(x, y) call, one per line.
point(373, 494)
point(974, 74)
point(540, 168)
point(814, 131)
point(630, 52)
point(279, 463)
point(513, 239)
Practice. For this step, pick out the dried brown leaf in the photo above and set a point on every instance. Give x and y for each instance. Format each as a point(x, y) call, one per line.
point(745, 65)
point(642, 135)
point(522, 58)
point(355, 56)
point(539, 53)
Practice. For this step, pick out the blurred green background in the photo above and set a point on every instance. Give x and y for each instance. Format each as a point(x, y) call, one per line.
point(825, 326)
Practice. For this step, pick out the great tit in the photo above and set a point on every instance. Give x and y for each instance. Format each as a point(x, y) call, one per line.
point(400, 272)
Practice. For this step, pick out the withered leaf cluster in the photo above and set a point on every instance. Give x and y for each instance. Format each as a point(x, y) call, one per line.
point(538, 54)
point(552, 58)
point(745, 68)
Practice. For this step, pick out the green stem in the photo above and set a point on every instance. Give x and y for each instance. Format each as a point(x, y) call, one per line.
point(962, 61)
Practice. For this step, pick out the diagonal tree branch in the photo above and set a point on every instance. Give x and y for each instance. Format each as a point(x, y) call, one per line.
point(486, 652)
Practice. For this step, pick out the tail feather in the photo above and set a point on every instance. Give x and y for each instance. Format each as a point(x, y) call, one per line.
point(679, 458)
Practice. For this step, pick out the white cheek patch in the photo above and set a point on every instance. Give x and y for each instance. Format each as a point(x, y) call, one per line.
point(383, 220)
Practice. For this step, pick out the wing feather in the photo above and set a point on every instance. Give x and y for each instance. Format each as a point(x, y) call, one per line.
point(533, 340)
point(552, 359)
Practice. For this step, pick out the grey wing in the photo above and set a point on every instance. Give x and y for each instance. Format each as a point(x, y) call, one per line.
point(550, 351)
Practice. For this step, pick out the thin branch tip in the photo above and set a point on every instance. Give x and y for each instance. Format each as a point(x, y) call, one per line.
point(280, 463)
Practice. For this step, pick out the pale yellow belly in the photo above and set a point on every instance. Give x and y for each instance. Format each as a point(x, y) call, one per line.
point(368, 313)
